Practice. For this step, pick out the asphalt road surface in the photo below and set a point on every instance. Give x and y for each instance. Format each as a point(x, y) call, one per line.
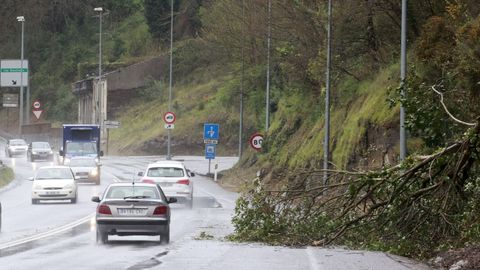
point(62, 235)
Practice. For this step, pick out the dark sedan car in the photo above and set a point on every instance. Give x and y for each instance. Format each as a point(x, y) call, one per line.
point(39, 151)
point(133, 209)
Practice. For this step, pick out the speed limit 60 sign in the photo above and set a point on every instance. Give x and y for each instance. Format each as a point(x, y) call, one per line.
point(256, 141)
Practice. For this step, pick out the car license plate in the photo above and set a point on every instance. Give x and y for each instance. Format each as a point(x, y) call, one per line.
point(166, 184)
point(132, 211)
point(52, 192)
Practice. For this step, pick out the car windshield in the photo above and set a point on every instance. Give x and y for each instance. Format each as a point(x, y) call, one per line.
point(17, 142)
point(123, 192)
point(53, 173)
point(82, 162)
point(165, 172)
point(40, 145)
point(81, 148)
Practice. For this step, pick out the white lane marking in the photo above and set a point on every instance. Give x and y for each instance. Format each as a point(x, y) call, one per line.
point(47, 233)
point(314, 265)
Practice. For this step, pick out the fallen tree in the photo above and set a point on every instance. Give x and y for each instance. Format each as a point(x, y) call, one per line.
point(425, 204)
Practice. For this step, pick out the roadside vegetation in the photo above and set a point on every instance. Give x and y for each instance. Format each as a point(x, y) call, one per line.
point(6, 175)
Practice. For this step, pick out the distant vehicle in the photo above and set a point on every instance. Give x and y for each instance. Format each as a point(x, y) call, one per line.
point(15, 147)
point(80, 140)
point(173, 178)
point(54, 183)
point(39, 151)
point(85, 169)
point(133, 209)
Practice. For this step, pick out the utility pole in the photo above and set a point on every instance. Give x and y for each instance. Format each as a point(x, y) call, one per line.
point(20, 120)
point(267, 94)
point(403, 74)
point(326, 155)
point(240, 133)
point(169, 157)
point(97, 95)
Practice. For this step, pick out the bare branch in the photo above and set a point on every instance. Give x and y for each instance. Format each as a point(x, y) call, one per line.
point(447, 111)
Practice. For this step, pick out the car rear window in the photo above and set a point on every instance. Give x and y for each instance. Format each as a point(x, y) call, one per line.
point(122, 192)
point(165, 172)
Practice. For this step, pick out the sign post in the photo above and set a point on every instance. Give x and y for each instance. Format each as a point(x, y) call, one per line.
point(211, 134)
point(36, 109)
point(108, 124)
point(256, 141)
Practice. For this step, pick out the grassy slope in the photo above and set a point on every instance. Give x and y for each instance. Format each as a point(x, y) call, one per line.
point(296, 134)
point(6, 176)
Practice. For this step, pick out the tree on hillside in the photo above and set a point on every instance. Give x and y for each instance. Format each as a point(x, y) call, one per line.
point(157, 14)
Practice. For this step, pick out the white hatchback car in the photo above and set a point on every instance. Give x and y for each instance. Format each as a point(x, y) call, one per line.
point(173, 178)
point(54, 183)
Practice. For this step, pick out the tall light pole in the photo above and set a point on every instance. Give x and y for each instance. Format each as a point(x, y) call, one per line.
point(99, 82)
point(267, 94)
point(240, 129)
point(326, 149)
point(169, 156)
point(403, 74)
point(20, 120)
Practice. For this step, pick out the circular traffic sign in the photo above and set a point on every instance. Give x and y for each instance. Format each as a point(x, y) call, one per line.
point(256, 141)
point(169, 117)
point(36, 104)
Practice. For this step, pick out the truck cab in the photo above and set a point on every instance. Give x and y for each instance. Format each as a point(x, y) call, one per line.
point(80, 140)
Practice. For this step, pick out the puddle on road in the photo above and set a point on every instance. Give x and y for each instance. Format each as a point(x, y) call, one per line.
point(152, 262)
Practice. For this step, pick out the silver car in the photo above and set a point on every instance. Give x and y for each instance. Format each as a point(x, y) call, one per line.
point(15, 147)
point(85, 169)
point(133, 209)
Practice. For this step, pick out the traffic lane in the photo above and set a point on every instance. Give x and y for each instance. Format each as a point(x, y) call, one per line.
point(21, 218)
point(78, 251)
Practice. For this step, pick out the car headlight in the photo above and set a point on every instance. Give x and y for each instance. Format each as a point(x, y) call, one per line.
point(34, 152)
point(69, 186)
point(37, 187)
point(50, 152)
point(66, 161)
point(94, 172)
point(97, 160)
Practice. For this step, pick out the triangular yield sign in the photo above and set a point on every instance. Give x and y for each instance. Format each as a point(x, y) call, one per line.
point(37, 113)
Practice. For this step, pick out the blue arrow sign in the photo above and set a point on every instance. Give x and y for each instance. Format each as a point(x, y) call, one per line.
point(210, 150)
point(210, 131)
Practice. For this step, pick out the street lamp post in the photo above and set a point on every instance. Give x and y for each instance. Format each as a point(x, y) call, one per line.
point(326, 148)
point(403, 74)
point(20, 120)
point(169, 156)
point(97, 95)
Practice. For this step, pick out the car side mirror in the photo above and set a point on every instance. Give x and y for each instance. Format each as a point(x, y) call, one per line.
point(96, 199)
point(192, 174)
point(101, 153)
point(30, 178)
point(172, 200)
point(140, 174)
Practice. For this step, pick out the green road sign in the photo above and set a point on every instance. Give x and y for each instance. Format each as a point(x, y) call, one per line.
point(13, 70)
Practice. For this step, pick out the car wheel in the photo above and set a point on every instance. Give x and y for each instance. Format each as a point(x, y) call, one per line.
point(102, 237)
point(34, 201)
point(74, 200)
point(165, 237)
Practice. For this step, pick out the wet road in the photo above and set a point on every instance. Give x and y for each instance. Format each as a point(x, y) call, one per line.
point(62, 235)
